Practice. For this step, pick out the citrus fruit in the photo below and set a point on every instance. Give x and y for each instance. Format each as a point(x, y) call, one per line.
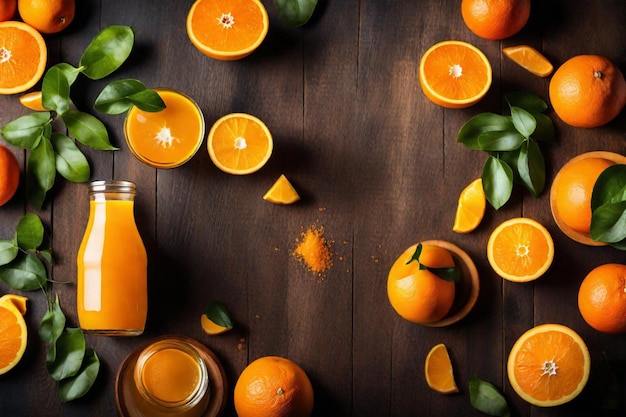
point(549, 365)
point(438, 370)
point(9, 174)
point(571, 192)
point(520, 249)
point(210, 327)
point(32, 101)
point(227, 29)
point(7, 9)
point(587, 91)
point(282, 192)
point(495, 19)
point(417, 294)
point(602, 298)
point(530, 59)
point(272, 386)
point(13, 331)
point(239, 143)
point(23, 56)
point(454, 74)
point(470, 208)
point(47, 16)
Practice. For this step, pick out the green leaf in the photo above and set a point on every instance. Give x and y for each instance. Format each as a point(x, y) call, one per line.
point(78, 385)
point(52, 324)
point(485, 122)
point(295, 12)
point(8, 251)
point(46, 254)
point(531, 167)
point(148, 100)
point(527, 101)
point(55, 90)
point(608, 222)
point(107, 51)
point(30, 232)
point(501, 140)
point(36, 194)
point(71, 163)
point(497, 179)
point(523, 121)
point(119, 96)
point(610, 187)
point(487, 399)
point(24, 273)
point(70, 350)
point(41, 165)
point(88, 130)
point(26, 131)
point(544, 132)
point(218, 314)
point(70, 72)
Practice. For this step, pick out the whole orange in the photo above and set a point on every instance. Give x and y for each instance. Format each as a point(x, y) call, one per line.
point(573, 187)
point(495, 19)
point(272, 386)
point(417, 294)
point(7, 9)
point(602, 298)
point(47, 16)
point(587, 91)
point(9, 174)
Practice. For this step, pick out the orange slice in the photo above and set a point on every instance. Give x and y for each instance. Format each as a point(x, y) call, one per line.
point(549, 365)
point(455, 74)
point(23, 56)
point(282, 192)
point(471, 207)
point(32, 101)
point(13, 332)
point(520, 250)
point(211, 328)
point(227, 29)
point(438, 370)
point(240, 144)
point(530, 59)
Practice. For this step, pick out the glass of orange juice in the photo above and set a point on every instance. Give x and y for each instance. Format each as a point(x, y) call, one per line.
point(168, 138)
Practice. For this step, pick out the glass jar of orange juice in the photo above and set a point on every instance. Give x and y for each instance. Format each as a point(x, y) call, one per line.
point(112, 287)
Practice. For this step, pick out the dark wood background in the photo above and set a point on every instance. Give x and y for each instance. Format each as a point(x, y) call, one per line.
point(377, 165)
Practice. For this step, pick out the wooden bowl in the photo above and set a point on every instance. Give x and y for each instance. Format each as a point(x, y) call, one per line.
point(466, 291)
point(583, 238)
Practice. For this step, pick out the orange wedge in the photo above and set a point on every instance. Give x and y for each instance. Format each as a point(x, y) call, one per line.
point(239, 144)
point(549, 365)
point(227, 29)
point(282, 192)
point(23, 55)
point(13, 331)
point(530, 59)
point(438, 370)
point(471, 207)
point(211, 328)
point(455, 74)
point(520, 250)
point(32, 101)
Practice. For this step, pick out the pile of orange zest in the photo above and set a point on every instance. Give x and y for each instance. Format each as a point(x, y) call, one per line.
point(314, 251)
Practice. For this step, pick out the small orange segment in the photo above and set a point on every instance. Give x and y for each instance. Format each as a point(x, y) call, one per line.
point(438, 370)
point(23, 57)
point(13, 331)
point(239, 144)
point(520, 250)
point(282, 192)
point(32, 101)
point(471, 207)
point(549, 365)
point(227, 29)
point(211, 328)
point(530, 59)
point(455, 74)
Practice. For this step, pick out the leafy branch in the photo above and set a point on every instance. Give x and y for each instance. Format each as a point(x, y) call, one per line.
point(452, 274)
point(52, 152)
point(68, 360)
point(512, 143)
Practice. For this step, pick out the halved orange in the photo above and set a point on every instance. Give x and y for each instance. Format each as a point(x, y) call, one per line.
point(227, 29)
point(282, 192)
point(23, 56)
point(13, 331)
point(455, 74)
point(239, 143)
point(438, 370)
point(470, 208)
point(520, 249)
point(530, 59)
point(549, 365)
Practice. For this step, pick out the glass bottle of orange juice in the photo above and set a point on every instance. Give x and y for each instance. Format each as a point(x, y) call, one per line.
point(112, 287)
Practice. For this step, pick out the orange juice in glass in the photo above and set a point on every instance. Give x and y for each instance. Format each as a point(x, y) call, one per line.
point(112, 284)
point(168, 138)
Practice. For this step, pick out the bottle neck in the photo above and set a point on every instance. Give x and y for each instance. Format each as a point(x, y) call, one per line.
point(112, 190)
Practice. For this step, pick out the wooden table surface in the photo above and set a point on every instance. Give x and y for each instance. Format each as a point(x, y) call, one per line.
point(377, 165)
